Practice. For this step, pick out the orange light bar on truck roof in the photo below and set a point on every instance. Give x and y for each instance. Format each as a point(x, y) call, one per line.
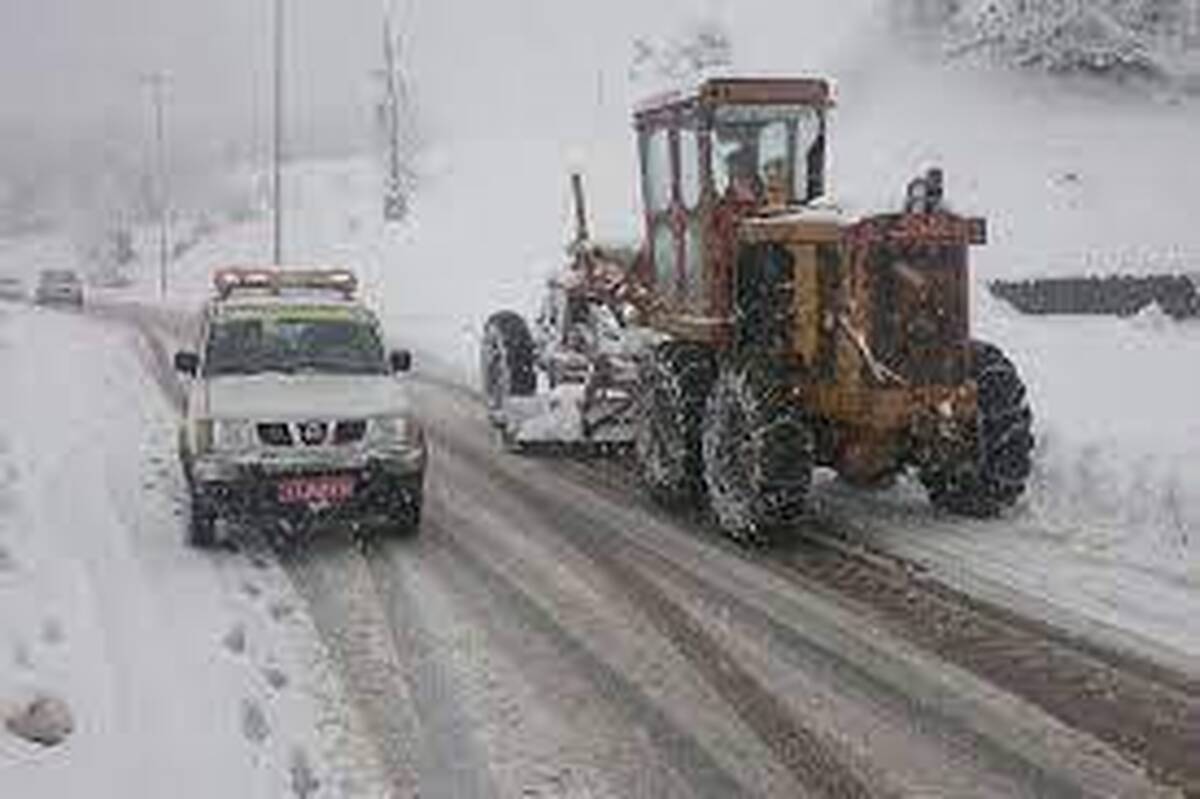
point(231, 279)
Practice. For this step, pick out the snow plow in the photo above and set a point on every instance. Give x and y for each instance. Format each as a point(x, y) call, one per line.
point(569, 378)
point(759, 333)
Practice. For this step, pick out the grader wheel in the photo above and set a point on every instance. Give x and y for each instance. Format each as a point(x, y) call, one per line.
point(758, 453)
point(506, 363)
point(995, 478)
point(672, 386)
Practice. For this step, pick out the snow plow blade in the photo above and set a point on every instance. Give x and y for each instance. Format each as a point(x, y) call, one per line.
point(566, 420)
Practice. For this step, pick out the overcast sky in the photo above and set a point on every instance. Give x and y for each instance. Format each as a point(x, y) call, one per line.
point(76, 65)
point(72, 71)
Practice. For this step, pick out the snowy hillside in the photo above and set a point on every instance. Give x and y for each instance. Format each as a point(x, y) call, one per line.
point(1155, 41)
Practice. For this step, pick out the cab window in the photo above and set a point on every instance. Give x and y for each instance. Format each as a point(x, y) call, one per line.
point(658, 170)
point(755, 147)
point(253, 345)
point(690, 177)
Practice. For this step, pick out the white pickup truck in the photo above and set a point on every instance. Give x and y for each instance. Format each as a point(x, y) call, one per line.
point(295, 411)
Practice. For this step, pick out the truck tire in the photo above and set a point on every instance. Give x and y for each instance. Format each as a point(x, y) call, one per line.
point(397, 512)
point(202, 524)
point(758, 453)
point(673, 385)
point(507, 361)
point(406, 514)
point(995, 478)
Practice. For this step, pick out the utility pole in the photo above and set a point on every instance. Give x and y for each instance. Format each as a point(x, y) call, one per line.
point(277, 183)
point(158, 85)
point(395, 204)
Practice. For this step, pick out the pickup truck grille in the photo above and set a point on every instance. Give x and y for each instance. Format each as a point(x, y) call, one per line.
point(349, 431)
point(312, 433)
point(275, 434)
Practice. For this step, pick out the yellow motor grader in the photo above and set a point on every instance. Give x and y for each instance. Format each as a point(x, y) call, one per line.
point(758, 333)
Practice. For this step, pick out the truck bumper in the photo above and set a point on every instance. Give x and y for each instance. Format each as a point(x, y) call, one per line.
point(381, 488)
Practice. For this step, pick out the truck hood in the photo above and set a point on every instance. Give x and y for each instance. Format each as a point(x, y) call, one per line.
point(298, 397)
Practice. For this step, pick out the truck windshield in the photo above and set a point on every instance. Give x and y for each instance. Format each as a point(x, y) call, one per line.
point(756, 147)
point(244, 346)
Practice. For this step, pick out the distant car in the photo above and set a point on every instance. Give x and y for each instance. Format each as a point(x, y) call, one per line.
point(59, 287)
point(11, 288)
point(295, 412)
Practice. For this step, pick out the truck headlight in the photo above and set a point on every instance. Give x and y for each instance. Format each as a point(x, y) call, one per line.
point(202, 436)
point(222, 435)
point(395, 430)
point(232, 434)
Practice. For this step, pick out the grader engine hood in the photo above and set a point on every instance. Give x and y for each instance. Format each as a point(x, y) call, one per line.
point(886, 296)
point(907, 283)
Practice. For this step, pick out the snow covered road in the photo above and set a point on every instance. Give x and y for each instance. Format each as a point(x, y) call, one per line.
point(544, 636)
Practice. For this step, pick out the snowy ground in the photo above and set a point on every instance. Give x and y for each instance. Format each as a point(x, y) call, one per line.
point(187, 675)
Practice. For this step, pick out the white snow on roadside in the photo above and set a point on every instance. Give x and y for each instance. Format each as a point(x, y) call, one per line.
point(1119, 431)
point(184, 675)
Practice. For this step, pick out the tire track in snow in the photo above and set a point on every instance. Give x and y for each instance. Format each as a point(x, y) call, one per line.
point(634, 553)
point(451, 763)
point(1147, 713)
point(682, 751)
point(339, 591)
point(356, 601)
point(814, 761)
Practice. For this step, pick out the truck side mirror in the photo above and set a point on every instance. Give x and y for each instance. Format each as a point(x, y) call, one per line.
point(187, 363)
point(401, 360)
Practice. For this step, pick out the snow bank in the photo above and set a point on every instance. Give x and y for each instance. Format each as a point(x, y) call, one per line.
point(1118, 429)
point(103, 605)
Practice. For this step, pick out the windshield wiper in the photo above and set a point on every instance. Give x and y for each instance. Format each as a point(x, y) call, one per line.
point(336, 366)
point(247, 369)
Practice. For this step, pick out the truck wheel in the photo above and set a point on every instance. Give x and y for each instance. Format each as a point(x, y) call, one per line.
point(408, 512)
point(402, 511)
point(202, 526)
point(758, 453)
point(506, 363)
point(995, 478)
point(673, 384)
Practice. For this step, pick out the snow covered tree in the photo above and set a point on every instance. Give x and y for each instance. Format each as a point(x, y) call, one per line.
point(1058, 35)
point(704, 46)
point(1110, 37)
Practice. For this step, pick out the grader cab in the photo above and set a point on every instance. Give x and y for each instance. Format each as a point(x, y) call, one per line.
point(780, 336)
